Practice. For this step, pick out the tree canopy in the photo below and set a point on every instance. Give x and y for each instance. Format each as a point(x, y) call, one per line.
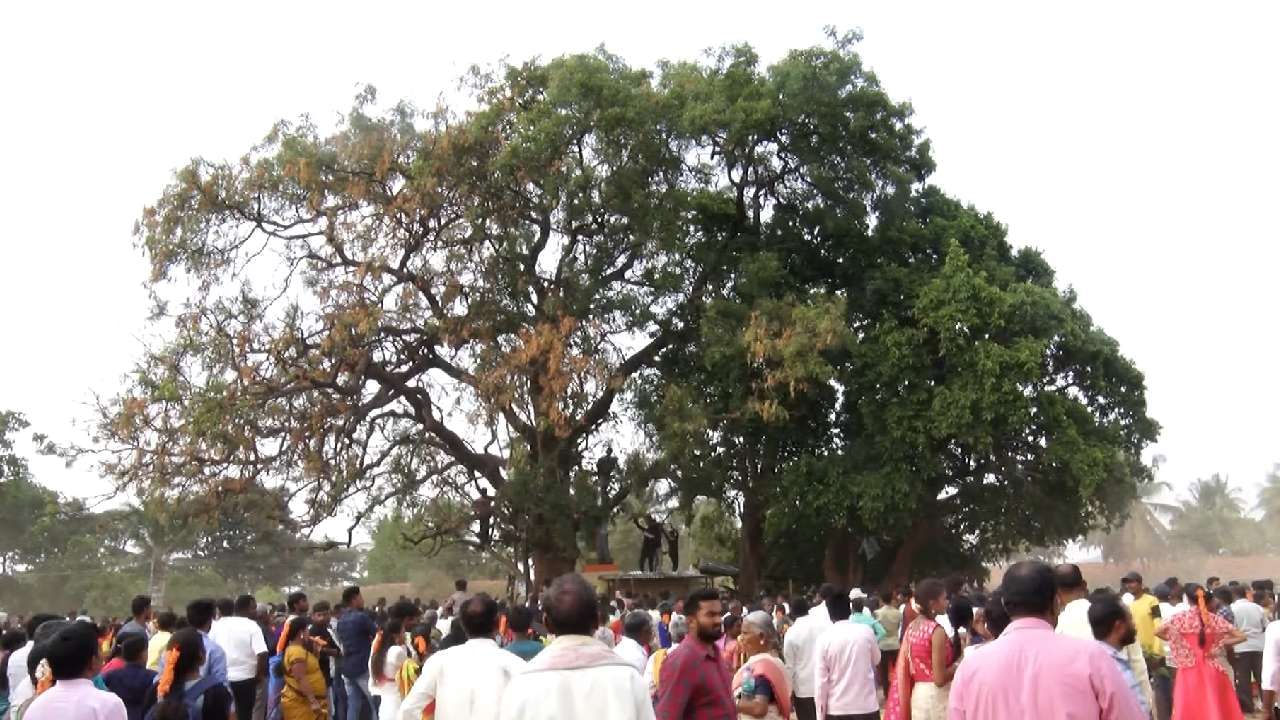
point(744, 260)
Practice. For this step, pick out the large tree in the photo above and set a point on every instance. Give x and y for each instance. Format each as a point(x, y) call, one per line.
point(983, 411)
point(420, 305)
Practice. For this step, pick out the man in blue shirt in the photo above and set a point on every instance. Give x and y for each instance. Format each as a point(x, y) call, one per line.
point(200, 616)
point(356, 631)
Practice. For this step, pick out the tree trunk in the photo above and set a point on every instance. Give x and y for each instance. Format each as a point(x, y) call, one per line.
point(752, 545)
point(916, 538)
point(835, 569)
point(553, 533)
point(549, 564)
point(159, 577)
point(842, 561)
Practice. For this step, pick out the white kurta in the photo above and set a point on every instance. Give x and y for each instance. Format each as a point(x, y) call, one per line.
point(611, 690)
point(465, 682)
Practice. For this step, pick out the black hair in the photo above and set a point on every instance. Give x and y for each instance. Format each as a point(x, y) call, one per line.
point(460, 585)
point(954, 584)
point(10, 641)
point(826, 590)
point(1029, 589)
point(479, 616)
point(456, 635)
point(857, 605)
point(1224, 595)
point(200, 613)
point(71, 652)
point(1104, 613)
point(166, 620)
point(696, 598)
point(293, 600)
point(294, 628)
point(349, 594)
point(1212, 579)
point(402, 610)
point(520, 619)
point(37, 620)
point(190, 647)
point(636, 624)
point(995, 614)
point(390, 633)
point(1192, 591)
point(570, 606)
point(226, 607)
point(1067, 576)
point(732, 620)
point(1240, 592)
point(423, 631)
point(321, 607)
point(960, 613)
point(140, 605)
point(133, 648)
point(799, 607)
point(246, 606)
point(928, 591)
point(839, 607)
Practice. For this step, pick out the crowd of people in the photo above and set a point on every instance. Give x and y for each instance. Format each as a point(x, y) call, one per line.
point(1041, 645)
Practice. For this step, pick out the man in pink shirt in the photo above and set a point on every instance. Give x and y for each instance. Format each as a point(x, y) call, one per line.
point(1030, 672)
point(74, 659)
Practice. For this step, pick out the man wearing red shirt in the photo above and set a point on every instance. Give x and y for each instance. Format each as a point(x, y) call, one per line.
point(694, 684)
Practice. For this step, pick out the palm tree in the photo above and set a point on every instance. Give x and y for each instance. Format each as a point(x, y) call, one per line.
point(1269, 497)
point(1269, 504)
point(1144, 535)
point(1212, 516)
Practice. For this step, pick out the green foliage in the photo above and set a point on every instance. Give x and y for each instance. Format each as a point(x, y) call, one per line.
point(714, 533)
point(1211, 520)
point(422, 305)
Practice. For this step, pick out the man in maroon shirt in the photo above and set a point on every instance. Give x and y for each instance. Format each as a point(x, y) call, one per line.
point(694, 683)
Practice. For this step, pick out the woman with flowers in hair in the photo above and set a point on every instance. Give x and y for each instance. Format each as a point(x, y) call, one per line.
point(1203, 690)
point(304, 696)
point(180, 690)
point(388, 655)
point(419, 649)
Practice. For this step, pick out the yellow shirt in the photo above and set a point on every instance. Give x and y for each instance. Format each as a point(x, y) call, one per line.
point(155, 648)
point(1146, 625)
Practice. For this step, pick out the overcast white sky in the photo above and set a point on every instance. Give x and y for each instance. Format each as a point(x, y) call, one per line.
point(1134, 143)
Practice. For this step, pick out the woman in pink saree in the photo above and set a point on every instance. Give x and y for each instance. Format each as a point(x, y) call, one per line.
point(1202, 689)
point(921, 679)
point(762, 686)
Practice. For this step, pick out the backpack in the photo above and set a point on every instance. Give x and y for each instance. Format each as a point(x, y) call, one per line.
point(190, 698)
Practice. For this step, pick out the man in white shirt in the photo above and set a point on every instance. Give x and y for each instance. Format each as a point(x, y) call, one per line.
point(845, 660)
point(75, 659)
point(1073, 621)
point(575, 678)
point(679, 629)
point(799, 648)
point(466, 681)
point(18, 658)
point(1270, 666)
point(1250, 620)
point(44, 627)
point(819, 607)
point(240, 637)
point(637, 634)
